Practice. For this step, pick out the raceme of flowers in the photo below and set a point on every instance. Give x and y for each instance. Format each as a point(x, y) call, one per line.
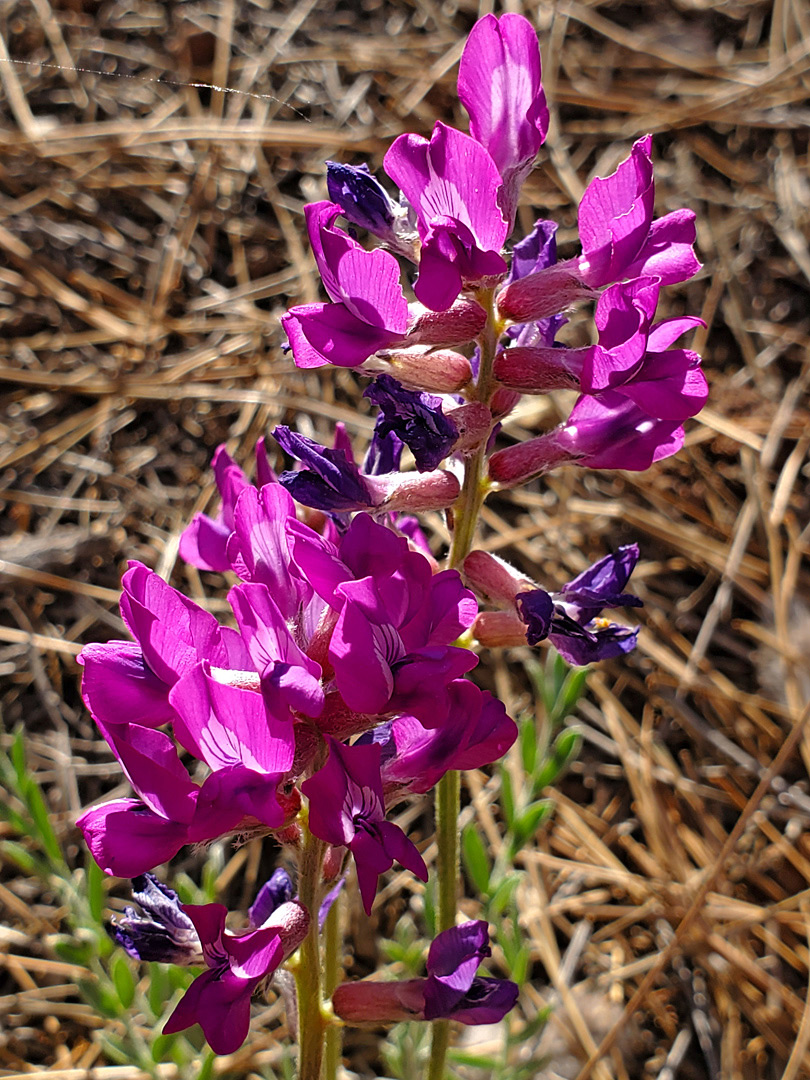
point(341, 685)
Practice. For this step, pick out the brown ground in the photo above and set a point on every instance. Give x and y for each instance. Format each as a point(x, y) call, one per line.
point(150, 236)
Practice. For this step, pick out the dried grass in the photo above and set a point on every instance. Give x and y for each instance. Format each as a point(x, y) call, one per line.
point(151, 234)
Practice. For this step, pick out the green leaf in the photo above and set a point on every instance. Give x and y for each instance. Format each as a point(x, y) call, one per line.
point(101, 997)
point(157, 988)
point(42, 821)
point(503, 895)
point(529, 822)
point(528, 744)
point(207, 1070)
point(94, 886)
point(476, 861)
point(162, 1047)
point(507, 797)
point(74, 952)
point(532, 1027)
point(563, 752)
point(23, 858)
point(123, 980)
point(475, 1061)
point(572, 691)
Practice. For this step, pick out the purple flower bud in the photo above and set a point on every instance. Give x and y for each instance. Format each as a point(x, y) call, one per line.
point(161, 931)
point(543, 294)
point(459, 325)
point(361, 197)
point(277, 890)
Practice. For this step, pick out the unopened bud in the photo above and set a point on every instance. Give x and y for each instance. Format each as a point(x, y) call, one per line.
point(537, 296)
point(459, 325)
point(535, 370)
point(367, 1002)
point(519, 463)
point(413, 492)
point(494, 579)
point(499, 629)
point(503, 401)
point(440, 372)
point(474, 423)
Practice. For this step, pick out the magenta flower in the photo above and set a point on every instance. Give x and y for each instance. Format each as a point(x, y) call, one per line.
point(203, 543)
point(347, 810)
point(629, 357)
point(619, 239)
point(608, 431)
point(452, 184)
point(369, 311)
point(477, 732)
point(219, 999)
point(499, 85)
point(390, 649)
point(290, 681)
point(258, 548)
point(226, 727)
point(452, 989)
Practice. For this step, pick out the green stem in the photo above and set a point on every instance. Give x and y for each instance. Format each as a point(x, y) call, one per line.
point(466, 512)
point(447, 807)
point(311, 1019)
point(331, 978)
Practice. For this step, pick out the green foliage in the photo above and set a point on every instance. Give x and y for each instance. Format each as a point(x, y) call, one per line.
point(112, 985)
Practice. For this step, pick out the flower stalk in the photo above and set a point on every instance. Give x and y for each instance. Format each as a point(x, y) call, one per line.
point(312, 1020)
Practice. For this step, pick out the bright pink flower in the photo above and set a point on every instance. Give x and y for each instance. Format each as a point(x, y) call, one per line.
point(347, 810)
point(452, 184)
point(369, 311)
point(499, 85)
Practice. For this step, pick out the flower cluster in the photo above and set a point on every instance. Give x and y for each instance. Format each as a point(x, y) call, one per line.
point(339, 687)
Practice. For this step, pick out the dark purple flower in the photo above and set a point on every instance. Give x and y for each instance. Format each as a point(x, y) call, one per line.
point(499, 85)
point(346, 809)
point(332, 481)
point(384, 450)
point(161, 930)
point(415, 418)
point(570, 618)
point(452, 990)
point(369, 311)
point(452, 184)
point(452, 987)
